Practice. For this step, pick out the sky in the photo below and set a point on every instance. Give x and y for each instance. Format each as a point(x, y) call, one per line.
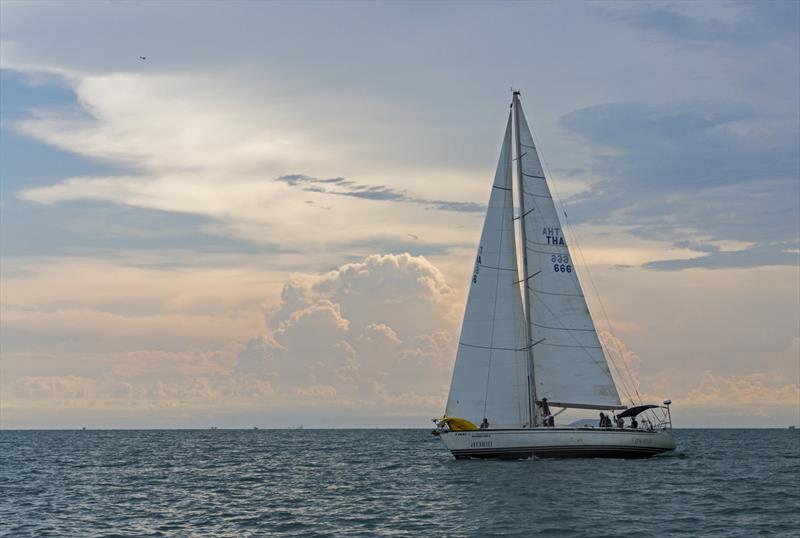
point(271, 220)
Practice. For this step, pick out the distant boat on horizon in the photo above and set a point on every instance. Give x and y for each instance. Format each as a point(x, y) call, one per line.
point(528, 342)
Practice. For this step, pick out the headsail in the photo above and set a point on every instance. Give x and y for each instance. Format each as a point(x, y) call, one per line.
point(569, 364)
point(490, 373)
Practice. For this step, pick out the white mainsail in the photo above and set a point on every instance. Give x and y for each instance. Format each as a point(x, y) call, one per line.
point(490, 373)
point(569, 365)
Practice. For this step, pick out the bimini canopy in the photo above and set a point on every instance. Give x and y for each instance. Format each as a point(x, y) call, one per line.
point(633, 411)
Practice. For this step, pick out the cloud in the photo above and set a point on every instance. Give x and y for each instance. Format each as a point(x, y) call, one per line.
point(322, 346)
point(770, 393)
point(690, 156)
point(317, 391)
point(750, 257)
point(377, 334)
point(624, 365)
point(401, 291)
point(758, 392)
point(217, 162)
point(387, 321)
point(342, 187)
point(736, 24)
point(689, 146)
point(695, 174)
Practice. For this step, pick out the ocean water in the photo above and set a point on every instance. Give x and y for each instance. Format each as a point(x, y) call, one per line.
point(386, 483)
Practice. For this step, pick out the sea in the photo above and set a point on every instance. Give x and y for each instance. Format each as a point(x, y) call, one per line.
point(719, 482)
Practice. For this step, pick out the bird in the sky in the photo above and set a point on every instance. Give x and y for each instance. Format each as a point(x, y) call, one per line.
point(142, 57)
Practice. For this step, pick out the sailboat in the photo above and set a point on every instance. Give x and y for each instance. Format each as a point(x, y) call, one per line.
point(528, 348)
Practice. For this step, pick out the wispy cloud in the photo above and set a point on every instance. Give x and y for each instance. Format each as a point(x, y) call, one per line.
point(342, 187)
point(767, 254)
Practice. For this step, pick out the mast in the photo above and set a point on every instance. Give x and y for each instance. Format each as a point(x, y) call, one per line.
point(526, 293)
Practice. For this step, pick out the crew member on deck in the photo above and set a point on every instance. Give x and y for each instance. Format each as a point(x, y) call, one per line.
point(620, 422)
point(484, 424)
point(634, 425)
point(547, 417)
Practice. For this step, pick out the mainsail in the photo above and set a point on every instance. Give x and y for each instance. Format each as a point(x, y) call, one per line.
point(569, 365)
point(490, 378)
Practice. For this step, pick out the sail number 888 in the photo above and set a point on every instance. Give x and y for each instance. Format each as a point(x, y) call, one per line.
point(561, 263)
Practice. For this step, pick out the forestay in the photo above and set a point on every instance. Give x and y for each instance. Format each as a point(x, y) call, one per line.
point(569, 365)
point(490, 373)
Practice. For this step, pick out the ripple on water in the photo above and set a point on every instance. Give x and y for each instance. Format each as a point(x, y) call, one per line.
point(386, 482)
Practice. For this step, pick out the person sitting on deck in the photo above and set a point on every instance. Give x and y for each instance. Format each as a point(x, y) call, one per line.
point(634, 425)
point(602, 420)
point(620, 422)
point(484, 424)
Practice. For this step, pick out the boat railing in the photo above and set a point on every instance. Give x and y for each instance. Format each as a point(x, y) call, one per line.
point(661, 420)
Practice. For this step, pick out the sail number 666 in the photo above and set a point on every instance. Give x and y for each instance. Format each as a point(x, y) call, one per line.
point(561, 263)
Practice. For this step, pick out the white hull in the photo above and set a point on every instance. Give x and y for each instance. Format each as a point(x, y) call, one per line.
point(558, 443)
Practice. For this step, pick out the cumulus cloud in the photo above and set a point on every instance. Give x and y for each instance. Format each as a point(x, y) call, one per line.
point(406, 293)
point(321, 346)
point(382, 326)
point(757, 392)
point(760, 393)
